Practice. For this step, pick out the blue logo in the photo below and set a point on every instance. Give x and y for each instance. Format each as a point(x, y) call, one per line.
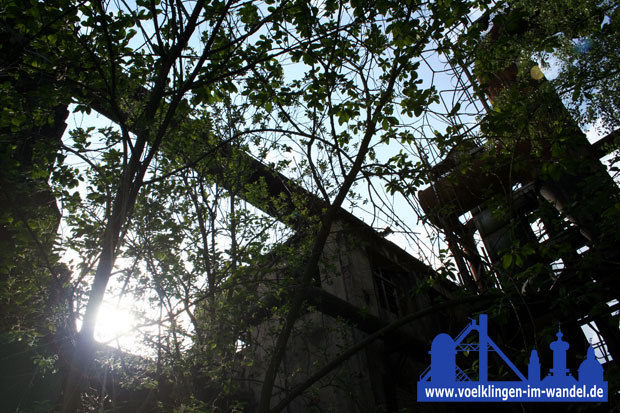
point(444, 381)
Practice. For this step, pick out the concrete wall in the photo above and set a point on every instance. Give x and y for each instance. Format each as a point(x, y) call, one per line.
point(372, 380)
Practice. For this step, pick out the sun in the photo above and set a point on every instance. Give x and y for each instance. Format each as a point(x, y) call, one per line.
point(113, 322)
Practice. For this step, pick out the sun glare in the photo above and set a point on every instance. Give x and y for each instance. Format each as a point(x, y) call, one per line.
point(113, 323)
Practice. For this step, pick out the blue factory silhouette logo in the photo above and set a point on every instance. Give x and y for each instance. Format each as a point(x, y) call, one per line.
point(444, 381)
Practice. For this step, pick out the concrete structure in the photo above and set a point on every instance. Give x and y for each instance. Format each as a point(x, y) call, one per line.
point(540, 201)
point(365, 282)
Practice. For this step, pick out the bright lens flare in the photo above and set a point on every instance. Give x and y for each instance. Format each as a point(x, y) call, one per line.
point(113, 322)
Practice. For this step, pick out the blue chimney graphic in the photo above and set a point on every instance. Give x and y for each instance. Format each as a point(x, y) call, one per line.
point(533, 369)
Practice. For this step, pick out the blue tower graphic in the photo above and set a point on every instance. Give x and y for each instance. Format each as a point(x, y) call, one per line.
point(443, 355)
point(590, 370)
point(559, 374)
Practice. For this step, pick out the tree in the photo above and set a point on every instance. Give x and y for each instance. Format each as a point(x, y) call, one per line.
point(105, 67)
point(99, 37)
